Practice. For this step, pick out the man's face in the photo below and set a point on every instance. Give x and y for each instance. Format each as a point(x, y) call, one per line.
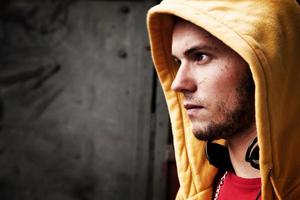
point(215, 81)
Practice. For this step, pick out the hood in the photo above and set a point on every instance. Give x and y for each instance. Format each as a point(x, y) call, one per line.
point(266, 34)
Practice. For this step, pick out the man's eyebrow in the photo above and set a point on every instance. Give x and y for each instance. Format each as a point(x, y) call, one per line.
point(196, 48)
point(191, 50)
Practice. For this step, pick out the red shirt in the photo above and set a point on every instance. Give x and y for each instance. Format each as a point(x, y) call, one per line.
point(237, 188)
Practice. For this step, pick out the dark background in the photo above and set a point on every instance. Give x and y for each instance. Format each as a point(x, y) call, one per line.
point(82, 115)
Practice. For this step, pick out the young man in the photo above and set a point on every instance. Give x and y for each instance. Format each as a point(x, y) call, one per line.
point(230, 70)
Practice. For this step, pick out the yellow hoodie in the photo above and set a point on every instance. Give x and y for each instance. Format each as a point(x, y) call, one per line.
point(266, 33)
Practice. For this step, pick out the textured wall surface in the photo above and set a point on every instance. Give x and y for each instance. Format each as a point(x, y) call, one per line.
point(78, 117)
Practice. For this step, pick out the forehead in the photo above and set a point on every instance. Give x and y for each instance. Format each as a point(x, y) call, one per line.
point(186, 35)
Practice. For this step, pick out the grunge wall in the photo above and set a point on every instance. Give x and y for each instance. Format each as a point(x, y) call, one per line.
point(81, 116)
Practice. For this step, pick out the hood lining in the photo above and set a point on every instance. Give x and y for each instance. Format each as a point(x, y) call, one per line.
point(178, 99)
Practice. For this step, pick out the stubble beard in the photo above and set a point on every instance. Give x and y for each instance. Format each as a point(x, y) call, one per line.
point(237, 121)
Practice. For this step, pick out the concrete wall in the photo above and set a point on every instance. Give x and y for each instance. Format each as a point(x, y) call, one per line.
point(81, 116)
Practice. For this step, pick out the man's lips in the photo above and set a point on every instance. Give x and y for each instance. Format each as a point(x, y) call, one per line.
point(193, 109)
point(188, 106)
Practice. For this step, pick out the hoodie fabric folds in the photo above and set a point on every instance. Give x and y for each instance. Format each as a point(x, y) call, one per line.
point(266, 34)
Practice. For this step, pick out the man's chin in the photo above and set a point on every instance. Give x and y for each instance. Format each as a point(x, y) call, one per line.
point(203, 134)
point(209, 132)
point(218, 131)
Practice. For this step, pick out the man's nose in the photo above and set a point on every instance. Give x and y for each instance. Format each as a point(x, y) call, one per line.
point(184, 81)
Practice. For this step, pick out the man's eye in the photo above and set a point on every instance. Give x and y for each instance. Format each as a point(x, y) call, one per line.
point(201, 57)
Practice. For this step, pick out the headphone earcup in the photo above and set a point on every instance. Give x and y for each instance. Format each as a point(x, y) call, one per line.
point(218, 156)
point(252, 154)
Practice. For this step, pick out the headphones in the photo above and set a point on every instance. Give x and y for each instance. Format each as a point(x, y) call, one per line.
point(218, 155)
point(252, 154)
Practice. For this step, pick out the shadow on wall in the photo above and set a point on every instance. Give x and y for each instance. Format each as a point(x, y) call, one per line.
point(75, 102)
point(37, 160)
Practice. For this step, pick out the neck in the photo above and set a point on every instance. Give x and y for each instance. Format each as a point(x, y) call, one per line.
point(238, 146)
